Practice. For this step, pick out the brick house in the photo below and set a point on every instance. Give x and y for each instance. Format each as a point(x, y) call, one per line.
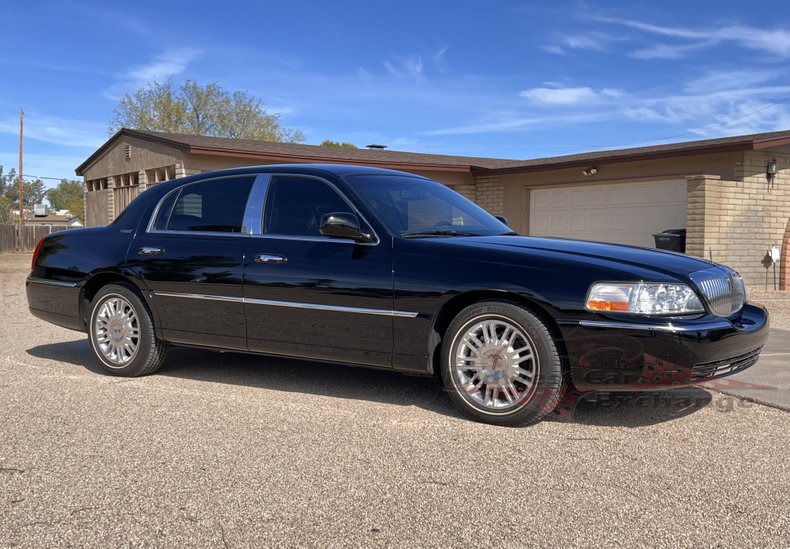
point(732, 194)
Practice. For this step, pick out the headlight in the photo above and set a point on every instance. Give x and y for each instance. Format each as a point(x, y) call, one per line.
point(643, 298)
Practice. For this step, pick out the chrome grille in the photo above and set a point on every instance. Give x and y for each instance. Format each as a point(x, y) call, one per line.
point(722, 289)
point(709, 370)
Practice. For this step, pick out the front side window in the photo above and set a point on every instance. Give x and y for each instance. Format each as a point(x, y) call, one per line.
point(295, 206)
point(414, 206)
point(213, 206)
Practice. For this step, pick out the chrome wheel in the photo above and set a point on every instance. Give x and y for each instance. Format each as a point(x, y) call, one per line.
point(495, 364)
point(116, 330)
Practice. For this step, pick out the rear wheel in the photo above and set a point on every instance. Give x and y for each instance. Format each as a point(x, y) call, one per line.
point(500, 364)
point(121, 332)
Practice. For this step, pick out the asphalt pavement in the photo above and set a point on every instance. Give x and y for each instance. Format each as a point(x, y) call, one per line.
point(232, 450)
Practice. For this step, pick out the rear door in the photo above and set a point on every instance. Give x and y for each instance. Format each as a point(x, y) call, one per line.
point(191, 259)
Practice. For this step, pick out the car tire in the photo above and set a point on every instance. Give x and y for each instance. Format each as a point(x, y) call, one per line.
point(121, 332)
point(500, 364)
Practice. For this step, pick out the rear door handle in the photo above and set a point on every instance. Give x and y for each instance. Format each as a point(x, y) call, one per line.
point(270, 258)
point(150, 250)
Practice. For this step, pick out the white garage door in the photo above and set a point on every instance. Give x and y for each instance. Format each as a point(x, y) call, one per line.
point(624, 213)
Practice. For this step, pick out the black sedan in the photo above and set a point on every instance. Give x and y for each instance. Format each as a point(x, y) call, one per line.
point(390, 270)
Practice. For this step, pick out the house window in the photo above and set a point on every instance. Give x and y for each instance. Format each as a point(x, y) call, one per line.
point(158, 175)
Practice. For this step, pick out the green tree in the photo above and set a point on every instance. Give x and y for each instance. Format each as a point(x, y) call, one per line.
point(5, 210)
point(344, 145)
point(34, 191)
point(67, 196)
point(202, 110)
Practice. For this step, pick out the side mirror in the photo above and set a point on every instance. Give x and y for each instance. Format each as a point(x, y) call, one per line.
point(503, 219)
point(343, 225)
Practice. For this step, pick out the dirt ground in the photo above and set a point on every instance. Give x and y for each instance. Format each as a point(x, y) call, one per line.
point(228, 450)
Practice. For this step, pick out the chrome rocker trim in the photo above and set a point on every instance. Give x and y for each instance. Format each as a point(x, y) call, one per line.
point(714, 325)
point(47, 282)
point(291, 304)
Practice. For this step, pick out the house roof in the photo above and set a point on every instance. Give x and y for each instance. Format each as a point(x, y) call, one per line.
point(706, 146)
point(292, 152)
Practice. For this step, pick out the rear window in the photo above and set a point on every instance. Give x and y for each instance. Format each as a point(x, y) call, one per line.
point(213, 206)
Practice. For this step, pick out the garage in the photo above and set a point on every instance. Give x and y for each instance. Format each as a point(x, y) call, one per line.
point(623, 213)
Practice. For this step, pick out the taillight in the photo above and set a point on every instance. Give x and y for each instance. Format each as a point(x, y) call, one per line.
point(35, 254)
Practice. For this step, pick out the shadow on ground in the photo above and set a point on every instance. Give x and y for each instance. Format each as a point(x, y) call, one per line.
point(339, 381)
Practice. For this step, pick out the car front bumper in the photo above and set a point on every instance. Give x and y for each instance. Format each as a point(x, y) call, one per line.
point(610, 353)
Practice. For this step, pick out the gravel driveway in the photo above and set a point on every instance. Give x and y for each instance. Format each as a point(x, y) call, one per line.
point(230, 450)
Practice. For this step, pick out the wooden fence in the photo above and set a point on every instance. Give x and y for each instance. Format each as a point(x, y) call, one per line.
point(33, 233)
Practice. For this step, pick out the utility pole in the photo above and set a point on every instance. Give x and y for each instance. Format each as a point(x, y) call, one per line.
point(21, 238)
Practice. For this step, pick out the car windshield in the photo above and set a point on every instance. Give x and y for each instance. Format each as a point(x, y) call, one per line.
point(413, 207)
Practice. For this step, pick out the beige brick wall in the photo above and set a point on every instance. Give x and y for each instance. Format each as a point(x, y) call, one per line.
point(490, 194)
point(738, 221)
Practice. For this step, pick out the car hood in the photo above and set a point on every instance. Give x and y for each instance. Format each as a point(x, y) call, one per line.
point(644, 258)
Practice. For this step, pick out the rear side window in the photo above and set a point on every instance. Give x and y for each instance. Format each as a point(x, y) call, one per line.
point(214, 206)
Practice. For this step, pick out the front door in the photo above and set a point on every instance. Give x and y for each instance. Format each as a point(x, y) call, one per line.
point(313, 296)
point(191, 259)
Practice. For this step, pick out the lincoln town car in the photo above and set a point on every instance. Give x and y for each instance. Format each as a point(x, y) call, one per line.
point(384, 269)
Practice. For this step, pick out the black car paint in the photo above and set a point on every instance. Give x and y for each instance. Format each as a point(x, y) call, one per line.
point(430, 277)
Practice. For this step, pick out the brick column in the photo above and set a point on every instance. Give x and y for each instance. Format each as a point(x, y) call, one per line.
point(490, 194)
point(466, 189)
point(142, 180)
point(84, 202)
point(784, 262)
point(703, 213)
point(110, 199)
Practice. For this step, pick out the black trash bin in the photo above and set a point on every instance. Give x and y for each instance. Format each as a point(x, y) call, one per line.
point(673, 240)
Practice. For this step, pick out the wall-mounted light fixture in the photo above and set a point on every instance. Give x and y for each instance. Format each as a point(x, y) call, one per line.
point(770, 172)
point(592, 170)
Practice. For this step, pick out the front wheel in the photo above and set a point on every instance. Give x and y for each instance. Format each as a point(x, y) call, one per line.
point(500, 364)
point(121, 333)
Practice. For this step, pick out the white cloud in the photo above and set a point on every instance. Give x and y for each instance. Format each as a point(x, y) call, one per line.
point(166, 65)
point(771, 40)
point(567, 96)
point(552, 48)
point(45, 165)
point(593, 41)
point(669, 51)
point(710, 106)
point(506, 122)
point(59, 131)
point(722, 79)
point(163, 66)
point(409, 67)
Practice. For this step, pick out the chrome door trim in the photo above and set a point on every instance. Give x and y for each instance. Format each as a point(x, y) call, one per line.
point(47, 282)
point(208, 297)
point(291, 304)
point(149, 228)
point(704, 327)
point(333, 308)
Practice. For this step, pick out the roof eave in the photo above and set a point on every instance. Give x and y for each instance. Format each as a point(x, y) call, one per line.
point(80, 170)
point(304, 159)
point(633, 157)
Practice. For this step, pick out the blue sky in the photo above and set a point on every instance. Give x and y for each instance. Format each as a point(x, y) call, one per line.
point(502, 79)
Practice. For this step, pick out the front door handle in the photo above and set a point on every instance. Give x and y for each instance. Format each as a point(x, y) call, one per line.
point(150, 250)
point(270, 258)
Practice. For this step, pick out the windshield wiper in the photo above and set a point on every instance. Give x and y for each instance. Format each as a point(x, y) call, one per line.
point(421, 234)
